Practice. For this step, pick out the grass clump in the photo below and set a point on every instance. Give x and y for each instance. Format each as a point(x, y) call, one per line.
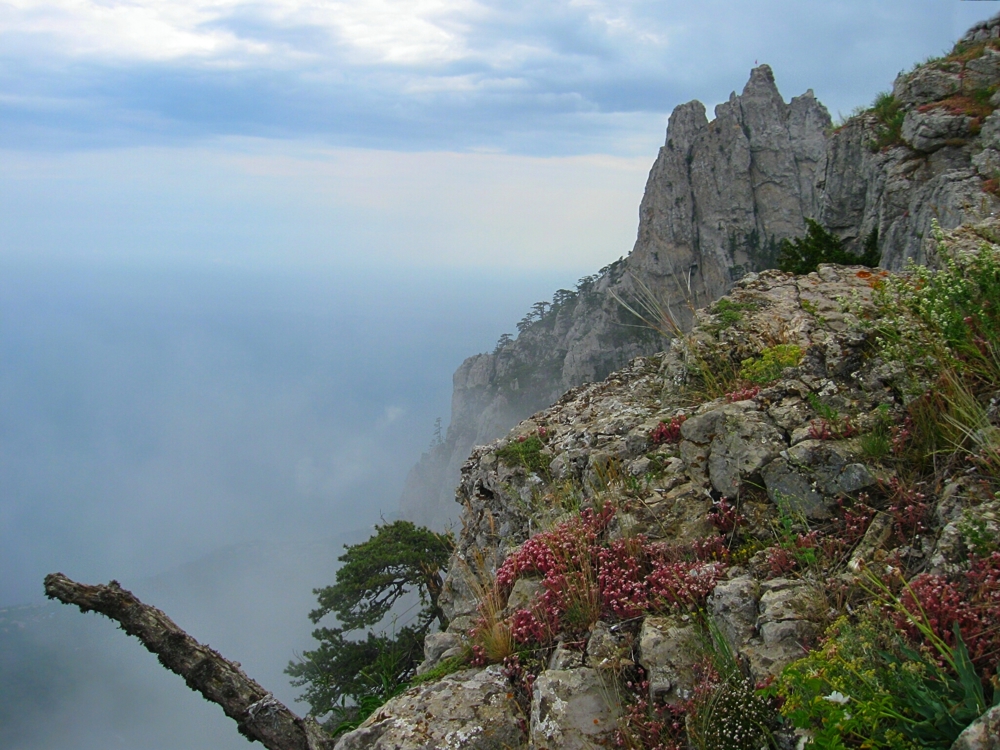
point(444, 668)
point(730, 313)
point(526, 452)
point(769, 365)
point(889, 115)
point(876, 444)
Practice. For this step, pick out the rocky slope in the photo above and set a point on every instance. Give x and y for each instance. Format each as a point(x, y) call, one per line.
point(720, 197)
point(737, 474)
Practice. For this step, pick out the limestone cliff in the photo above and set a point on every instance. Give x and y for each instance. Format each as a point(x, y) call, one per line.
point(720, 197)
point(751, 474)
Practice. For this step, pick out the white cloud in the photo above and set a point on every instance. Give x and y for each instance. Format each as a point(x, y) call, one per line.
point(374, 31)
point(157, 30)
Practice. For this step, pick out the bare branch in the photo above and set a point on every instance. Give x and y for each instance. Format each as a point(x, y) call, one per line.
point(257, 714)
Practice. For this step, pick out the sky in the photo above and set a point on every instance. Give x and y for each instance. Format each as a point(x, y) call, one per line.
point(245, 243)
point(419, 133)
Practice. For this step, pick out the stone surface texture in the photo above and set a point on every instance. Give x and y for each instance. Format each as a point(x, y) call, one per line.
point(470, 710)
point(747, 449)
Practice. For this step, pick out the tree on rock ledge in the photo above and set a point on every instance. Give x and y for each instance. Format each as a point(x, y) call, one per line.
point(349, 678)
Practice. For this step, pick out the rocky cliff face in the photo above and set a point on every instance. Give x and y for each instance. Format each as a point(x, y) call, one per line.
point(720, 197)
point(595, 530)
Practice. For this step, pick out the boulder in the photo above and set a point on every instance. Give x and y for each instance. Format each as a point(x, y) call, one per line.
point(572, 709)
point(935, 129)
point(669, 647)
point(982, 734)
point(468, 710)
point(792, 616)
point(729, 443)
point(733, 606)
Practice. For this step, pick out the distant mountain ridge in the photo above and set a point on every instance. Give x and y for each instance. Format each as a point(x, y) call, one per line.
point(719, 199)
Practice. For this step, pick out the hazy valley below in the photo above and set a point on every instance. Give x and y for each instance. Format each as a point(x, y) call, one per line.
point(211, 438)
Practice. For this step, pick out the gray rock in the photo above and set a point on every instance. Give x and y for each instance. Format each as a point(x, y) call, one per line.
point(982, 72)
point(791, 488)
point(669, 647)
point(792, 615)
point(606, 650)
point(459, 591)
point(926, 84)
point(572, 709)
point(733, 606)
point(935, 129)
point(740, 441)
point(982, 734)
point(565, 658)
point(435, 646)
point(466, 710)
point(808, 477)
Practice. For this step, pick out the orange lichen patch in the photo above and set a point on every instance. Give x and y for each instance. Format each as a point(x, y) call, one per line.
point(875, 280)
point(991, 186)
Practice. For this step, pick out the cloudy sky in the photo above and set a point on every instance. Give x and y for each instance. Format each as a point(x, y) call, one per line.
point(446, 132)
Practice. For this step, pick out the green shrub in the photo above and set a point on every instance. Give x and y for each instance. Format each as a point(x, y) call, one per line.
point(804, 254)
point(730, 313)
point(866, 688)
point(526, 453)
point(772, 361)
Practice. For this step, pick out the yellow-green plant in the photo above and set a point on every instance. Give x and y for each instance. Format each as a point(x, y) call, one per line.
point(867, 687)
point(768, 367)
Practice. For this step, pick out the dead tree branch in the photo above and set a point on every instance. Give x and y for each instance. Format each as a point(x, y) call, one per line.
point(257, 714)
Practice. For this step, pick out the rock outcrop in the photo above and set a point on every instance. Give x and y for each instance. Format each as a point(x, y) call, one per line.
point(673, 464)
point(720, 197)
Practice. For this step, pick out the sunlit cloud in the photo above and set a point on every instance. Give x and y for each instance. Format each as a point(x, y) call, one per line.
point(571, 77)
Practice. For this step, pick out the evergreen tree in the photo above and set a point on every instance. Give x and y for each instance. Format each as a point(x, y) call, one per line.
point(350, 678)
point(804, 254)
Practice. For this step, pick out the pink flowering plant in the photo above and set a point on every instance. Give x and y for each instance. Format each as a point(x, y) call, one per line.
point(668, 433)
point(584, 576)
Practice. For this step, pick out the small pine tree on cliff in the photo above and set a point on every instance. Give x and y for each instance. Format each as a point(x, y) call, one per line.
point(804, 254)
point(349, 678)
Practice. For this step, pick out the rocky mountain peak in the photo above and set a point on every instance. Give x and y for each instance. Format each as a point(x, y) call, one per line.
point(720, 197)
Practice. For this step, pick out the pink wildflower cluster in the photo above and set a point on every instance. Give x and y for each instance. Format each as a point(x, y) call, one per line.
point(584, 576)
point(725, 516)
point(854, 521)
point(668, 432)
point(972, 600)
point(554, 552)
point(748, 393)
point(909, 508)
point(901, 436)
point(636, 576)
